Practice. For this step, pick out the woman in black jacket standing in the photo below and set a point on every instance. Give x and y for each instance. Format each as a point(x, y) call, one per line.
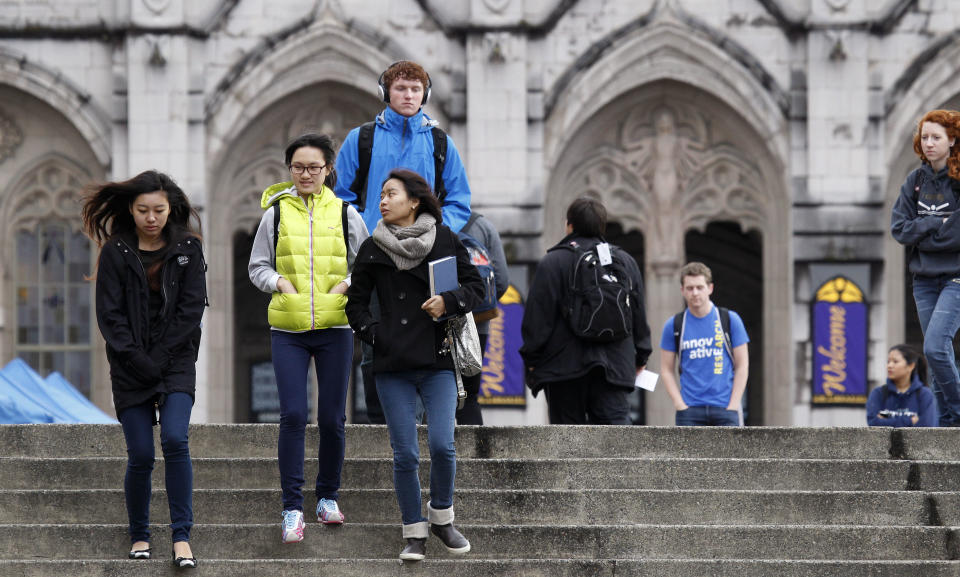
point(150, 296)
point(410, 358)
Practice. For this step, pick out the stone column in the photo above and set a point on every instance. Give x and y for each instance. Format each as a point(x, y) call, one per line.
point(663, 301)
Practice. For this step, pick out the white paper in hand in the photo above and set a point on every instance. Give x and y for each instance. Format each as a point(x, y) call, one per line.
point(646, 380)
point(603, 251)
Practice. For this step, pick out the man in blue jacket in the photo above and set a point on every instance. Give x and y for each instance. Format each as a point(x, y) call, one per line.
point(403, 136)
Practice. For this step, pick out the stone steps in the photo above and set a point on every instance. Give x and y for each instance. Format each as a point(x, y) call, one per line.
point(509, 474)
point(489, 567)
point(518, 507)
point(382, 541)
point(604, 501)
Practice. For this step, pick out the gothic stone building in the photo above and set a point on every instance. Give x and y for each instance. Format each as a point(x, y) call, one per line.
point(768, 138)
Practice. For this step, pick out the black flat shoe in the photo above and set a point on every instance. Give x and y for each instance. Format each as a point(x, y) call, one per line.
point(139, 554)
point(184, 562)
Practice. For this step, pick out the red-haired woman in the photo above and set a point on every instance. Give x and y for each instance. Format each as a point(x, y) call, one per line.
point(925, 220)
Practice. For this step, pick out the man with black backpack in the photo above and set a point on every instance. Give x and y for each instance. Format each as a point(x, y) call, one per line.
point(402, 136)
point(585, 332)
point(712, 344)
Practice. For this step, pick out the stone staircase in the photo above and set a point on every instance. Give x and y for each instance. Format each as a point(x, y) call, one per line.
point(534, 501)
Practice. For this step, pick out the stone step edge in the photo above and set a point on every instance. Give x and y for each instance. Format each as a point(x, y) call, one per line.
point(504, 492)
point(500, 526)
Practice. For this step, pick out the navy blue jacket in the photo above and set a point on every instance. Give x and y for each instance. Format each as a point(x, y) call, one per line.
point(147, 361)
point(917, 399)
point(926, 199)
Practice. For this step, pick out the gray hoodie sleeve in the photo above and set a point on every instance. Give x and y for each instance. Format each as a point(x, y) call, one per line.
point(260, 268)
point(356, 234)
point(491, 240)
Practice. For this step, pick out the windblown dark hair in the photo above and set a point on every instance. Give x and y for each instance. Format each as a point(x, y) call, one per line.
point(417, 189)
point(106, 212)
point(912, 355)
point(326, 144)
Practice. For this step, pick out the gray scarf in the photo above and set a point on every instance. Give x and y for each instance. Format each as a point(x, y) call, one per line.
point(407, 245)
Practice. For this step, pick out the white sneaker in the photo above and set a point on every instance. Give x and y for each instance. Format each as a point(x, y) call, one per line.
point(292, 526)
point(328, 512)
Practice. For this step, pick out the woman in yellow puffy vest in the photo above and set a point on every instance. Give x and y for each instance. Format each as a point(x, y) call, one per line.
point(302, 254)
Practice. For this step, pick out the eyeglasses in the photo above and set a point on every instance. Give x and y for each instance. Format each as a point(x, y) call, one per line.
point(313, 170)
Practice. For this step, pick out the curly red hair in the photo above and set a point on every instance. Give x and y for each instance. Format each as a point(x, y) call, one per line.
point(950, 121)
point(408, 71)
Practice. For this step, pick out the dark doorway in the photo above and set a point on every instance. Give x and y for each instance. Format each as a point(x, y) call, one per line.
point(251, 339)
point(736, 260)
point(632, 242)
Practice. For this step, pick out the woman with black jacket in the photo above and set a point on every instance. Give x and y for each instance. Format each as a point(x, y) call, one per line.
point(410, 356)
point(150, 297)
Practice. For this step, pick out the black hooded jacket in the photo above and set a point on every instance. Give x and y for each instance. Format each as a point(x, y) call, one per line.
point(551, 351)
point(147, 361)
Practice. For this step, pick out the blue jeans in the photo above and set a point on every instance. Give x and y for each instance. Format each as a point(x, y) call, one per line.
point(938, 307)
point(137, 423)
point(705, 416)
point(398, 394)
point(332, 353)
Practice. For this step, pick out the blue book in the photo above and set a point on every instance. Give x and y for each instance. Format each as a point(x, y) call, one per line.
point(443, 275)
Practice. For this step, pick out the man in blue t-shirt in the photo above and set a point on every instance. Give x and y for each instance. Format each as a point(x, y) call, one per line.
point(713, 372)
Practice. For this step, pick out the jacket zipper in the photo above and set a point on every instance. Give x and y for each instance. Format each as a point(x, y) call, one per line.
point(143, 271)
point(313, 317)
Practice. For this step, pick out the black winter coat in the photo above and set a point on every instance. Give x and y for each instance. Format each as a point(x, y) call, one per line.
point(148, 361)
point(406, 337)
point(551, 352)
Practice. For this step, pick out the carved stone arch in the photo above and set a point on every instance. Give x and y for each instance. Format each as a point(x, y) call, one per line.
point(50, 187)
point(666, 50)
point(325, 52)
point(937, 85)
point(249, 190)
point(685, 157)
point(56, 90)
point(727, 187)
point(608, 176)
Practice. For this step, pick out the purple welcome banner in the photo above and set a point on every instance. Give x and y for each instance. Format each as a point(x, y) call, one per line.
point(839, 344)
point(502, 381)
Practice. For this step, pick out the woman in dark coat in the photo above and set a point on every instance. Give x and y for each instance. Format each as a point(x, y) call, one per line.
point(410, 356)
point(150, 296)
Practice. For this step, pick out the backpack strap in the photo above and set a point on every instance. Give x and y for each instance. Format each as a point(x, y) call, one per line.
point(439, 162)
point(364, 153)
point(471, 220)
point(725, 327)
point(345, 224)
point(677, 329)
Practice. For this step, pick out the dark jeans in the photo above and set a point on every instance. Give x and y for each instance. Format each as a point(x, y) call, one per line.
point(400, 392)
point(470, 413)
point(370, 397)
point(938, 308)
point(707, 417)
point(137, 422)
point(332, 352)
point(588, 400)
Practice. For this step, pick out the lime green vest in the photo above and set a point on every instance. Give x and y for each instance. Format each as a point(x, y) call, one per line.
point(311, 253)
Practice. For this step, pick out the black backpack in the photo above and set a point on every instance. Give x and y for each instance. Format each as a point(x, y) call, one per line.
point(724, 326)
point(598, 306)
point(365, 152)
point(480, 258)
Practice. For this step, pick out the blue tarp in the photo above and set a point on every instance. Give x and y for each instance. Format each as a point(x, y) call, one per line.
point(35, 400)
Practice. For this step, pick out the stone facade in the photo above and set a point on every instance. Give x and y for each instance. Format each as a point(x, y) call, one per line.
point(788, 120)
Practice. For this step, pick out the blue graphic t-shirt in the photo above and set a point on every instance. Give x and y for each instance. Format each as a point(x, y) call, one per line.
point(707, 377)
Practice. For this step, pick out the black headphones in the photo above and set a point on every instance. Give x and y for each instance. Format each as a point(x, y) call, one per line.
point(385, 93)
